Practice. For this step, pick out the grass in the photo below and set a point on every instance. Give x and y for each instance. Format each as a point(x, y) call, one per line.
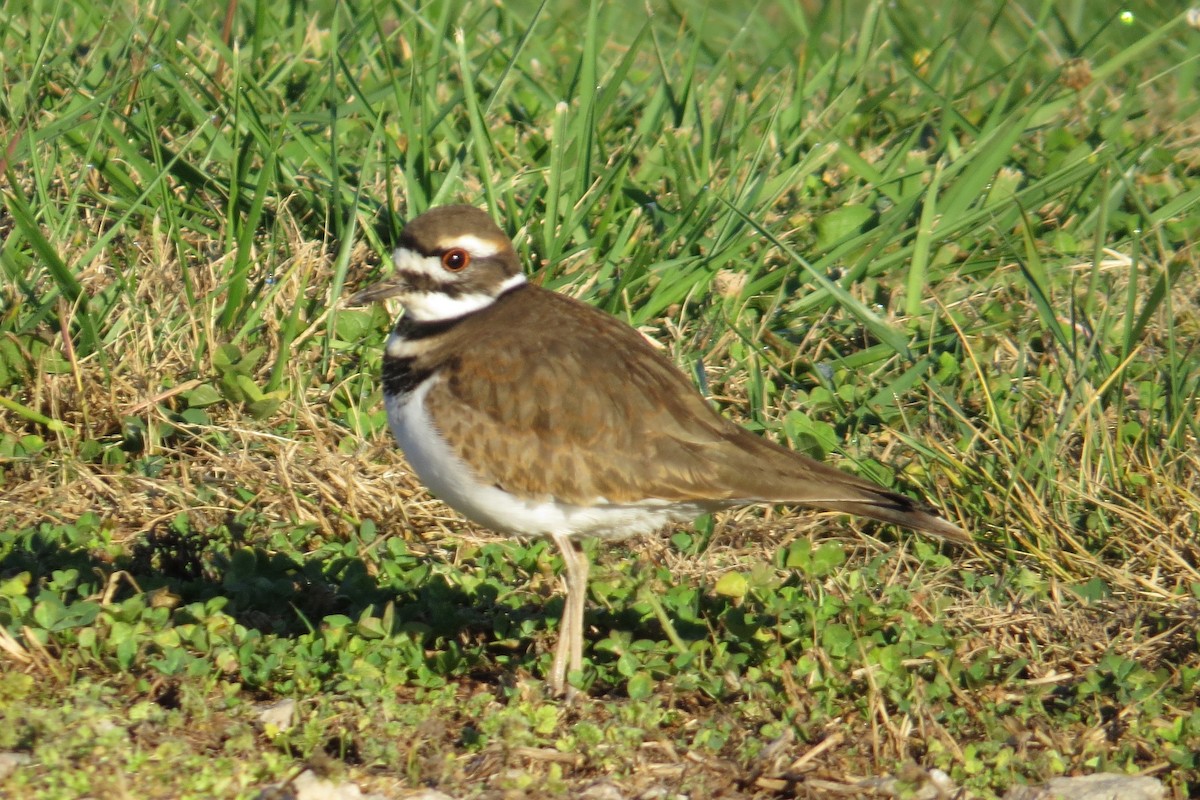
point(953, 250)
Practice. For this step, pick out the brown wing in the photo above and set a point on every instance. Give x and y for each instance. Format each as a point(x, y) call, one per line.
point(601, 414)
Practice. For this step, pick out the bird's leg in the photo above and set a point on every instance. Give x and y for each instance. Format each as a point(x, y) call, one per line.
point(579, 595)
point(558, 671)
point(568, 655)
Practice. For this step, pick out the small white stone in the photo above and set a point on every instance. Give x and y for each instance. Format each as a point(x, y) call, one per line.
point(309, 786)
point(280, 715)
point(10, 761)
point(602, 791)
point(1100, 786)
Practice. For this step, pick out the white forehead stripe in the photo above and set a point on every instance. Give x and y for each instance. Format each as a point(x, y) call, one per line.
point(480, 248)
point(411, 261)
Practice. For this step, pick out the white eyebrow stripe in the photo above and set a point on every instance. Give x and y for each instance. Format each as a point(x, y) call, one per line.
point(480, 248)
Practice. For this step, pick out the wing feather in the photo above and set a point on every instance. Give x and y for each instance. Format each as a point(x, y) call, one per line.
point(571, 404)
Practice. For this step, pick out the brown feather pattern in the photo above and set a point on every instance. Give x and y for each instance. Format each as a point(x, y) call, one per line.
point(648, 434)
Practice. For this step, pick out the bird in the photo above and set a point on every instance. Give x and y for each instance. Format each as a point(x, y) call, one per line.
point(537, 415)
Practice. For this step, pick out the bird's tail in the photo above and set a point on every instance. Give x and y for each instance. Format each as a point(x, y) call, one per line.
point(880, 504)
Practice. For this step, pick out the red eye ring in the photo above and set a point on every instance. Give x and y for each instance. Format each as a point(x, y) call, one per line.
point(456, 259)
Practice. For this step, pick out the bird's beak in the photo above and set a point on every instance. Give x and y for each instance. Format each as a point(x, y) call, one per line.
point(388, 287)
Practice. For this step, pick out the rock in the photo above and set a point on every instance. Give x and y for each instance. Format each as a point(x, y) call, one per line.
point(308, 786)
point(10, 761)
point(1101, 786)
point(602, 790)
point(280, 715)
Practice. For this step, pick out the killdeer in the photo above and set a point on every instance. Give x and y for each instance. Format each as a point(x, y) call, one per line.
point(537, 415)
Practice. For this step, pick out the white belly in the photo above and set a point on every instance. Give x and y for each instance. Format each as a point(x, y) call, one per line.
point(455, 484)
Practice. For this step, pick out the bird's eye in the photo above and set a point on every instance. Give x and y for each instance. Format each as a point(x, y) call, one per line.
point(456, 260)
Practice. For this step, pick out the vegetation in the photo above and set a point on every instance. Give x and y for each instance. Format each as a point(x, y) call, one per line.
point(953, 249)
